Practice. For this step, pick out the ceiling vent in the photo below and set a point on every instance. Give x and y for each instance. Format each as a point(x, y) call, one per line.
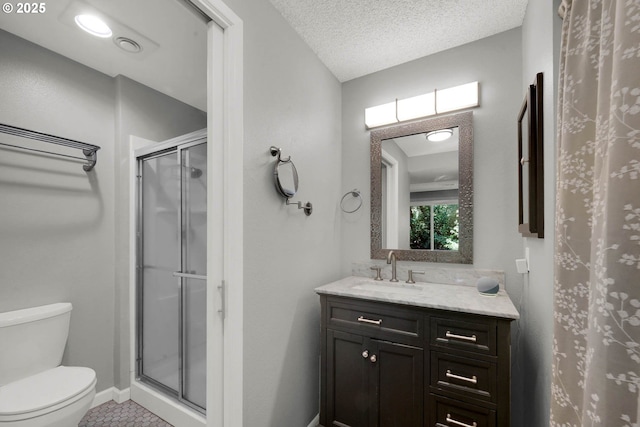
point(128, 45)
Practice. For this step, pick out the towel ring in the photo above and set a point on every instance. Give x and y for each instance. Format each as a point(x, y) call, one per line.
point(356, 194)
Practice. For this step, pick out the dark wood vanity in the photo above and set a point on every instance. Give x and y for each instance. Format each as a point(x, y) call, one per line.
point(386, 364)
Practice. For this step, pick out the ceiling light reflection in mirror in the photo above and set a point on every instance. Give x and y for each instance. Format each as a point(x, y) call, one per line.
point(429, 104)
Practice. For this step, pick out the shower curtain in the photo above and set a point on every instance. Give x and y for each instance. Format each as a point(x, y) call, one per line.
point(596, 347)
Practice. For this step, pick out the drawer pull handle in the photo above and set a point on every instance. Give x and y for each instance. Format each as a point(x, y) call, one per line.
point(373, 322)
point(472, 338)
point(365, 354)
point(472, 380)
point(458, 423)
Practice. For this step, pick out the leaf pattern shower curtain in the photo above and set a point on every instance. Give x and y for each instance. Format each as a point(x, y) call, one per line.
point(596, 347)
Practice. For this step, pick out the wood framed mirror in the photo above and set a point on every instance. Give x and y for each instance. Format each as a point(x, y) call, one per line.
point(422, 190)
point(531, 163)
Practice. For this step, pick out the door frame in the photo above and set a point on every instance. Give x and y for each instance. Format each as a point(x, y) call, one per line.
point(391, 208)
point(225, 135)
point(225, 122)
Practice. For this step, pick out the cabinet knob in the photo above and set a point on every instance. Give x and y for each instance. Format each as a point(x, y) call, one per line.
point(365, 354)
point(373, 358)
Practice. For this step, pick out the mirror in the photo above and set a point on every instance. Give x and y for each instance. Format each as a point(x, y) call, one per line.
point(286, 178)
point(531, 163)
point(422, 190)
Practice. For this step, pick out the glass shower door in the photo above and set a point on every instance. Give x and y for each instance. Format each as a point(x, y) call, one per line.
point(172, 258)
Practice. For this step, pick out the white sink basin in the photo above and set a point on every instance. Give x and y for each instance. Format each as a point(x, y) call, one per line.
point(390, 288)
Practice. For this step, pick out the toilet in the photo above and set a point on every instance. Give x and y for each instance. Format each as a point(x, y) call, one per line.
point(35, 391)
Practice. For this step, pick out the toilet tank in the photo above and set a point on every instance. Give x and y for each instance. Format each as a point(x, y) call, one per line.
point(32, 340)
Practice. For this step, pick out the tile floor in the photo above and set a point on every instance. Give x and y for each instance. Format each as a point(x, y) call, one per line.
point(126, 414)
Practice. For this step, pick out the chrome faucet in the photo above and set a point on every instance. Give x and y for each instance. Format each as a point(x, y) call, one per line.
point(391, 259)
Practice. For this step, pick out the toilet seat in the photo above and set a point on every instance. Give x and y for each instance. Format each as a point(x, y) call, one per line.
point(45, 392)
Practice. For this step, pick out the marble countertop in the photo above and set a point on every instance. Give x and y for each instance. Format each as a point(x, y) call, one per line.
point(431, 295)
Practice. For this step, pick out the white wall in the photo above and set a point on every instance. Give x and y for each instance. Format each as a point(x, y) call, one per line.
point(496, 62)
point(291, 101)
point(402, 192)
point(540, 46)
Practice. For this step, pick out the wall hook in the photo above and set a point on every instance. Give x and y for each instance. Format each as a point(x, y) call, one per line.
point(277, 152)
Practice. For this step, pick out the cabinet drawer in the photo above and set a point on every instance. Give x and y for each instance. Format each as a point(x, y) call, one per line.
point(450, 413)
point(463, 376)
point(376, 320)
point(477, 334)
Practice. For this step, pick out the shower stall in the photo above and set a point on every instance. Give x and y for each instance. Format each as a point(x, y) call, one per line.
point(171, 239)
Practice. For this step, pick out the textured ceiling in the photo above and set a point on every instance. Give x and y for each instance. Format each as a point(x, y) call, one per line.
point(358, 37)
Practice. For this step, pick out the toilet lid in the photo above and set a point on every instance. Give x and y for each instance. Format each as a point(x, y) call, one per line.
point(45, 389)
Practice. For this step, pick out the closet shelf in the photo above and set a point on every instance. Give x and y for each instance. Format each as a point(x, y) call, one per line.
point(89, 150)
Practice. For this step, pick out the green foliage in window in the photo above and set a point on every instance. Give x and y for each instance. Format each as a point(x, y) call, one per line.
point(445, 227)
point(420, 233)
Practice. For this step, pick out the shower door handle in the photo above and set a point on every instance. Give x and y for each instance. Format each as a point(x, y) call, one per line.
point(189, 276)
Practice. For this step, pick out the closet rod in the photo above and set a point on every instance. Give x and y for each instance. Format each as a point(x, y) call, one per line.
point(89, 150)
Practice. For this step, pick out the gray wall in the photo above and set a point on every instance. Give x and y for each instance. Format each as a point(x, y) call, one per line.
point(58, 223)
point(496, 62)
point(540, 46)
point(291, 101)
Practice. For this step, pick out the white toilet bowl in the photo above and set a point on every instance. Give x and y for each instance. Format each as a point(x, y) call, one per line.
point(35, 391)
point(58, 397)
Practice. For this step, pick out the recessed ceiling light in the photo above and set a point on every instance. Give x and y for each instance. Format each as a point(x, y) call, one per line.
point(93, 25)
point(439, 135)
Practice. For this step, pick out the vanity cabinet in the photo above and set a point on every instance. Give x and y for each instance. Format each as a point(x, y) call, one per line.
point(385, 364)
point(374, 366)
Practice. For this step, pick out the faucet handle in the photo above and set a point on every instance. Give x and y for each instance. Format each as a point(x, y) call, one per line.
point(377, 269)
point(411, 273)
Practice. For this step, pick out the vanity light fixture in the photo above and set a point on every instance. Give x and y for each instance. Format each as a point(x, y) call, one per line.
point(457, 98)
point(439, 135)
point(429, 104)
point(93, 25)
point(381, 115)
point(417, 106)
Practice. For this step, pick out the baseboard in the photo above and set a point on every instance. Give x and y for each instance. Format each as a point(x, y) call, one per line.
point(315, 422)
point(111, 393)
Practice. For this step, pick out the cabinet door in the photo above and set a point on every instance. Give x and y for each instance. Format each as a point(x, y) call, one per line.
point(347, 380)
point(398, 384)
